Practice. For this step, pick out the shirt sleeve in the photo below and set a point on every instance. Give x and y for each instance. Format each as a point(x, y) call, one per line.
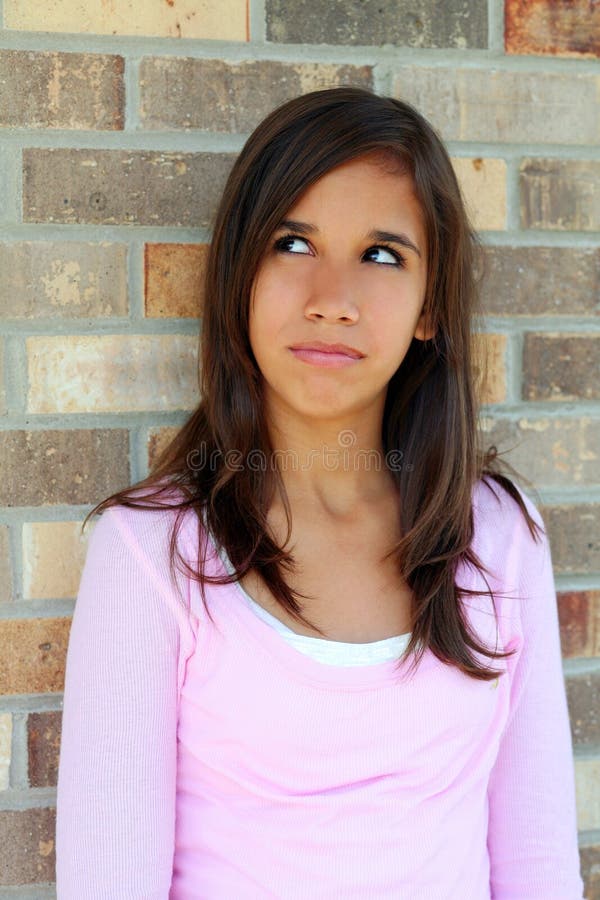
point(532, 833)
point(117, 768)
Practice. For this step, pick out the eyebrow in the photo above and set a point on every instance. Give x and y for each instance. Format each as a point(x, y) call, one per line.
point(374, 235)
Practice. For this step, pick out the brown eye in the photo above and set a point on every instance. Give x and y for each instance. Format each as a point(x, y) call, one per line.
point(291, 243)
point(385, 256)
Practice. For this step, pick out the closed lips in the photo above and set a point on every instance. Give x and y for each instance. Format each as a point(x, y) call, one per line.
point(329, 348)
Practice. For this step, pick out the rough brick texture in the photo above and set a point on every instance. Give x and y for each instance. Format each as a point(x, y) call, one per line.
point(53, 557)
point(225, 20)
point(574, 532)
point(61, 90)
point(579, 616)
point(71, 466)
point(119, 187)
point(583, 694)
point(561, 367)
point(550, 452)
point(33, 655)
point(559, 28)
point(112, 373)
point(527, 281)
point(2, 386)
point(174, 279)
point(483, 184)
point(426, 24)
point(590, 870)
point(500, 106)
point(587, 784)
point(27, 841)
point(217, 96)
point(43, 746)
point(62, 279)
point(490, 367)
point(560, 194)
point(158, 439)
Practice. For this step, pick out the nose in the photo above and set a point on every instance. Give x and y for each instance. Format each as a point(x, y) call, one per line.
point(331, 296)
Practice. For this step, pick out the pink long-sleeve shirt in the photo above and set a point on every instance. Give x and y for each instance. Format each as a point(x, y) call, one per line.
point(205, 761)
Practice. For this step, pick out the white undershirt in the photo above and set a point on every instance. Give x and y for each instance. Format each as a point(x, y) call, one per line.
point(335, 653)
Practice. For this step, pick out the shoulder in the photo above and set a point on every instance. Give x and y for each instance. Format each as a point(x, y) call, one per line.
point(496, 510)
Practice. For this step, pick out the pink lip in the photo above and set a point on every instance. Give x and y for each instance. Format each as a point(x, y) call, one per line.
point(329, 359)
point(333, 349)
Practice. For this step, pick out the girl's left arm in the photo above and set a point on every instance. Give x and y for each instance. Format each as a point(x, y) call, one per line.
point(532, 832)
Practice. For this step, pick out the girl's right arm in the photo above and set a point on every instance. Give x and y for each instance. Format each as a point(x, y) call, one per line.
point(117, 773)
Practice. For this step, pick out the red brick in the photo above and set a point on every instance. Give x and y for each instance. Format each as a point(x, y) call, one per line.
point(33, 655)
point(552, 27)
point(174, 279)
point(561, 367)
point(579, 617)
point(43, 746)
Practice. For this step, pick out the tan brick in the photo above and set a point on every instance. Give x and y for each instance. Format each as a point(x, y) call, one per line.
point(527, 281)
point(587, 788)
point(214, 95)
point(158, 439)
point(560, 194)
point(61, 90)
point(77, 466)
point(53, 557)
point(6, 579)
point(496, 105)
point(579, 616)
point(174, 279)
point(574, 533)
point(224, 20)
point(122, 187)
point(112, 373)
point(559, 29)
point(426, 24)
point(43, 746)
point(583, 695)
point(33, 655)
point(549, 452)
point(483, 184)
point(5, 749)
point(489, 353)
point(561, 367)
point(27, 841)
point(65, 278)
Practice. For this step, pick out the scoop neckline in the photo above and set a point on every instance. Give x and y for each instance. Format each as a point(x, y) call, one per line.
point(300, 665)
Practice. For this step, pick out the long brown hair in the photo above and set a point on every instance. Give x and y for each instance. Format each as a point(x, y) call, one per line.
point(430, 413)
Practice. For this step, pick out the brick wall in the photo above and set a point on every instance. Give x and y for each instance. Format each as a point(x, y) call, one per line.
point(117, 130)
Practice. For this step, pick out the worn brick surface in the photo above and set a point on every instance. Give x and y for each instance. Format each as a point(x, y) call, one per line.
point(53, 557)
point(527, 281)
point(225, 20)
point(109, 373)
point(483, 184)
point(426, 24)
point(43, 747)
point(587, 785)
point(230, 97)
point(590, 870)
point(77, 466)
point(158, 439)
point(544, 26)
point(33, 655)
point(27, 841)
point(174, 279)
point(574, 533)
point(61, 90)
point(561, 367)
point(2, 387)
point(560, 194)
point(502, 106)
point(66, 278)
point(579, 616)
point(6, 579)
point(550, 452)
point(490, 367)
point(5, 749)
point(583, 695)
point(122, 187)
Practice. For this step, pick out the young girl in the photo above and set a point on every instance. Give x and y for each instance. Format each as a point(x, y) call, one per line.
point(315, 654)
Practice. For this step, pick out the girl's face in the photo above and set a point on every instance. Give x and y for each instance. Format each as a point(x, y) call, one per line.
point(347, 266)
